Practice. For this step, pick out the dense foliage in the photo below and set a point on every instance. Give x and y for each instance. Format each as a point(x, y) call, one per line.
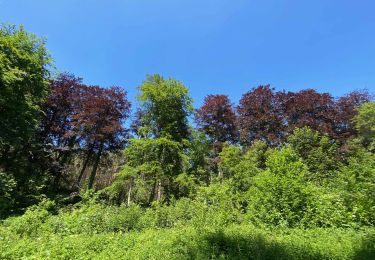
point(282, 175)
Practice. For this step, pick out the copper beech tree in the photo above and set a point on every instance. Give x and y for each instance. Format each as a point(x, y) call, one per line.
point(217, 119)
point(89, 119)
point(57, 127)
point(260, 116)
point(308, 108)
point(345, 111)
point(271, 116)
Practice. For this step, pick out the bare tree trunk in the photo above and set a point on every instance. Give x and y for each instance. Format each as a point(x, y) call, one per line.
point(130, 191)
point(152, 194)
point(158, 193)
point(85, 163)
point(64, 158)
point(95, 167)
point(220, 174)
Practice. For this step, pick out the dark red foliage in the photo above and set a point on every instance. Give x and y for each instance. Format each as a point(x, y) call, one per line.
point(217, 119)
point(271, 116)
point(83, 118)
point(259, 116)
point(59, 109)
point(345, 112)
point(99, 116)
point(309, 108)
point(85, 114)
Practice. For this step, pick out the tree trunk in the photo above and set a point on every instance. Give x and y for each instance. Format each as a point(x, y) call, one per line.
point(158, 193)
point(220, 174)
point(85, 163)
point(95, 167)
point(152, 194)
point(64, 158)
point(130, 191)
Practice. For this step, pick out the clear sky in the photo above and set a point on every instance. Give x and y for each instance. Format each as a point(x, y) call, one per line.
point(213, 46)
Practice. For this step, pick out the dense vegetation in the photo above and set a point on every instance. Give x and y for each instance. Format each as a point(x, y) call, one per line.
point(282, 175)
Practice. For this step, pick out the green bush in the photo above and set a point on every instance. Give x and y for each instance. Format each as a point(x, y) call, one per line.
point(32, 222)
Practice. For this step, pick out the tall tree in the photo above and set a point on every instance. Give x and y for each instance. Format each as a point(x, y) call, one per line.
point(345, 110)
point(309, 108)
point(156, 159)
point(199, 154)
point(24, 74)
point(24, 77)
point(57, 128)
point(365, 124)
point(98, 120)
point(217, 119)
point(319, 153)
point(87, 120)
point(259, 116)
point(150, 170)
point(165, 106)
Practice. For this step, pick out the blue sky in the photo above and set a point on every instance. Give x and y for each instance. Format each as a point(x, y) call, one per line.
point(212, 46)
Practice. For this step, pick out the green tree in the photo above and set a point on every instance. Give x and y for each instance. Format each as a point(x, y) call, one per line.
point(158, 158)
point(230, 158)
point(150, 170)
point(166, 105)
point(24, 74)
point(241, 167)
point(365, 124)
point(257, 154)
point(319, 153)
point(198, 153)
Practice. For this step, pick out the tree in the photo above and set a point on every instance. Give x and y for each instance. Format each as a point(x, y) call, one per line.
point(319, 153)
point(60, 107)
point(345, 110)
point(217, 119)
point(309, 108)
point(259, 116)
point(24, 75)
point(365, 124)
point(157, 158)
point(198, 153)
point(150, 170)
point(230, 158)
point(57, 128)
point(98, 120)
point(165, 107)
point(24, 86)
point(84, 118)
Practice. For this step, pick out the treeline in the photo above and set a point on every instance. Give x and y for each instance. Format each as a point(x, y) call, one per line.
point(290, 158)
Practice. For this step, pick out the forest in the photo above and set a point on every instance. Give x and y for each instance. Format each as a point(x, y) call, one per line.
point(85, 174)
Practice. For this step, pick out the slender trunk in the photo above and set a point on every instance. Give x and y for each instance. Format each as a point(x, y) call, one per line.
point(85, 163)
point(130, 191)
point(158, 193)
point(220, 174)
point(152, 195)
point(95, 167)
point(64, 158)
